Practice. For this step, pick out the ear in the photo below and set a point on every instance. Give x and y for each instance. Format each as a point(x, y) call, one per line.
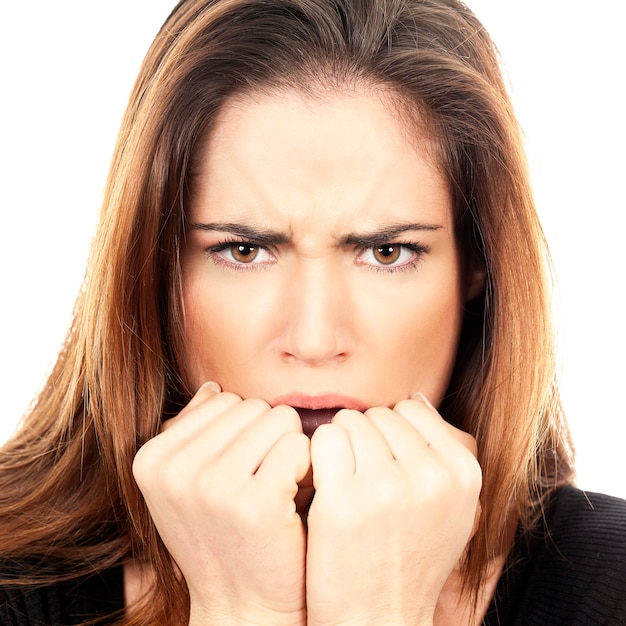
point(476, 279)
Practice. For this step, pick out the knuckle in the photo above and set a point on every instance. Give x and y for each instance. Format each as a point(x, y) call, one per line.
point(475, 477)
point(173, 479)
point(257, 404)
point(468, 477)
point(467, 441)
point(288, 415)
point(347, 416)
point(215, 497)
point(405, 406)
point(388, 491)
point(435, 479)
point(228, 398)
point(145, 463)
point(139, 468)
point(470, 468)
point(378, 412)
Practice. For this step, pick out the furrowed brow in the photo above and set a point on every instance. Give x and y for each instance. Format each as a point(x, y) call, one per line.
point(255, 235)
point(385, 234)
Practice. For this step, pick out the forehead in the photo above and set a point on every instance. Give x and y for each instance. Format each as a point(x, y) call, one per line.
point(407, 116)
point(341, 151)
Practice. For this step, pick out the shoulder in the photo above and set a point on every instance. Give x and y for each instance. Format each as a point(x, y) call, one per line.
point(586, 530)
point(95, 597)
point(581, 563)
point(572, 569)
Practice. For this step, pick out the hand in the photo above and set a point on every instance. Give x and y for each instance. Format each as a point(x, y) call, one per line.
point(220, 483)
point(396, 502)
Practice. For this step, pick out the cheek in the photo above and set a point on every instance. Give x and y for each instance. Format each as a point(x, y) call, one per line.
point(205, 328)
point(420, 339)
point(223, 330)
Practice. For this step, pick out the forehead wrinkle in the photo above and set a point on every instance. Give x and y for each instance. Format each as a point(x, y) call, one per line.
point(330, 198)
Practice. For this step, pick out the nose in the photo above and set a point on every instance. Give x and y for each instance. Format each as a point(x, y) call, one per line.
point(315, 317)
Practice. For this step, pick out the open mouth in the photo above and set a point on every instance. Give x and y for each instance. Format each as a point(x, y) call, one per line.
point(312, 418)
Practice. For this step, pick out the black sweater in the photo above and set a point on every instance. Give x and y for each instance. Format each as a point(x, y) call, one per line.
point(572, 575)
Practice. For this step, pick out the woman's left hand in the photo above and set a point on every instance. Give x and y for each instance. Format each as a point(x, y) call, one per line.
point(396, 502)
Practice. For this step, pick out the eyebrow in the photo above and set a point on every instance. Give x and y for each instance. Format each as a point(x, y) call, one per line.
point(271, 237)
point(262, 237)
point(385, 234)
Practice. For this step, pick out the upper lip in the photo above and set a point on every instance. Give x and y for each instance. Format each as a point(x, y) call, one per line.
point(320, 401)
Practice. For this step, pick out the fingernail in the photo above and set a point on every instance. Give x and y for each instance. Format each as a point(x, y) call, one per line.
point(422, 398)
point(213, 386)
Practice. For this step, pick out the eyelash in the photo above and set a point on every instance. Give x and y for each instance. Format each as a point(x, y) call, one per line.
point(419, 250)
point(213, 252)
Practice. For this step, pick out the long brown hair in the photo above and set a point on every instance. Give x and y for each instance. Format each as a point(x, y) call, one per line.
point(67, 494)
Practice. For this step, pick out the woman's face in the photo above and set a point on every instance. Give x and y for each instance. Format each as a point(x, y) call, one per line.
point(320, 268)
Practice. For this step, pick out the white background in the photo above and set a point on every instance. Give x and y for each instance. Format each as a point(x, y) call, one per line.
point(67, 68)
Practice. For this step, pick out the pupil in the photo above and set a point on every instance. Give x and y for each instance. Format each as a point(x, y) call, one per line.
point(387, 254)
point(244, 252)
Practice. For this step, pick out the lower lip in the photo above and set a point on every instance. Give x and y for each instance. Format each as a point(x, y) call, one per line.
point(312, 418)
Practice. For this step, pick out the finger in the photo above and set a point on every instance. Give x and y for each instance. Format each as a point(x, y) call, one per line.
point(368, 445)
point(287, 463)
point(209, 428)
point(438, 434)
point(208, 391)
point(404, 440)
point(254, 442)
point(332, 457)
point(453, 447)
point(177, 433)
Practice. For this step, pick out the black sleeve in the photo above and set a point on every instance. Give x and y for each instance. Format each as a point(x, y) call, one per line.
point(99, 597)
point(572, 573)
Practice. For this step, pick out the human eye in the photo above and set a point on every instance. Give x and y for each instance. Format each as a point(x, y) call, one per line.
point(392, 257)
point(240, 254)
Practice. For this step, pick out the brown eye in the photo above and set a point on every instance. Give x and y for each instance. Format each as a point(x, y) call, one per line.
point(387, 254)
point(244, 252)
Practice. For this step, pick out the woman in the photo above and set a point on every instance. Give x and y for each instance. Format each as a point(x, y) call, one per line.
point(311, 375)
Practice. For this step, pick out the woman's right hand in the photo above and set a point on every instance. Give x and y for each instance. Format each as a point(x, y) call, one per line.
point(220, 483)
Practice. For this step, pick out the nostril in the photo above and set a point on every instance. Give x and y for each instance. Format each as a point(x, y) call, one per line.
point(313, 344)
point(312, 360)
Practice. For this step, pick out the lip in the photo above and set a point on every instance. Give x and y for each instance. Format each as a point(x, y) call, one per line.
point(317, 410)
point(322, 401)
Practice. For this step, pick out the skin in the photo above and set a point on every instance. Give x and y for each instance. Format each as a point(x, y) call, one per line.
point(320, 270)
point(312, 309)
